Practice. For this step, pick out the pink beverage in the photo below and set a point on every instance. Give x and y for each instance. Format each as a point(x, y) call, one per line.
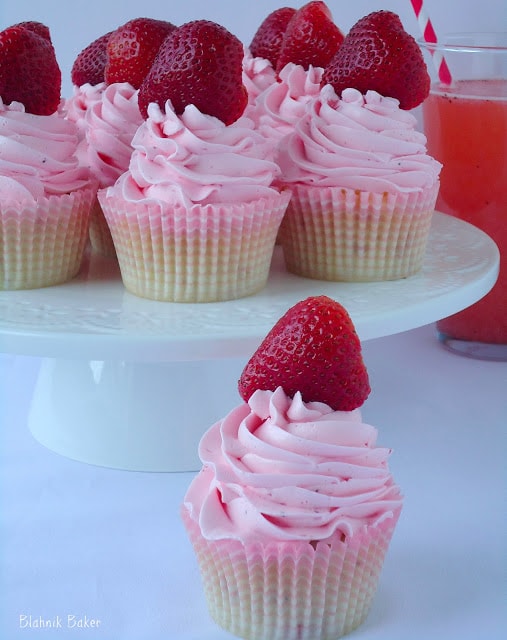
point(466, 128)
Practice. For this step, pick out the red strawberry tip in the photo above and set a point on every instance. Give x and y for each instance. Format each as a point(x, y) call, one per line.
point(314, 349)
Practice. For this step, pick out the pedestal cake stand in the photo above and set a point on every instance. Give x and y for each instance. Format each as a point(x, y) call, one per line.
point(130, 383)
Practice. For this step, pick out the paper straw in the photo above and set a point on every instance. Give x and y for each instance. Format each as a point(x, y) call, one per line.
point(429, 36)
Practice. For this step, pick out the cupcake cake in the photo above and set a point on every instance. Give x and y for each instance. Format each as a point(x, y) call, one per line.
point(106, 76)
point(46, 196)
point(364, 187)
point(195, 217)
point(294, 508)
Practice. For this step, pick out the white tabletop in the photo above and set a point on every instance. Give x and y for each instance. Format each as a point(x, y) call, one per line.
point(107, 547)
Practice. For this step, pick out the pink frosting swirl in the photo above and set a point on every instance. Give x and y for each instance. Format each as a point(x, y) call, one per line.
point(81, 100)
point(363, 142)
point(108, 117)
point(281, 105)
point(111, 123)
point(258, 75)
point(288, 470)
point(37, 155)
point(195, 158)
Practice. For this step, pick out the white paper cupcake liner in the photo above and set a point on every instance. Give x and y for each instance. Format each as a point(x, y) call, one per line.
point(100, 235)
point(43, 244)
point(293, 590)
point(329, 233)
point(204, 254)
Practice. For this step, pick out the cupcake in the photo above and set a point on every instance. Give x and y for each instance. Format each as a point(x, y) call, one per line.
point(46, 195)
point(104, 106)
point(364, 187)
point(195, 217)
point(294, 508)
point(108, 124)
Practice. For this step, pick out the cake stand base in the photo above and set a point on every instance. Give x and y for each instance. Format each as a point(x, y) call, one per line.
point(129, 415)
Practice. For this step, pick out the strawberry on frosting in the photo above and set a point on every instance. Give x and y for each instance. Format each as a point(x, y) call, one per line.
point(313, 349)
point(38, 144)
point(132, 48)
point(378, 54)
point(296, 461)
point(199, 63)
point(29, 71)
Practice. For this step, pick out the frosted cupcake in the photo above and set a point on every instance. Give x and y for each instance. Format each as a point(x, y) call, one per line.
point(46, 196)
point(195, 217)
point(106, 76)
point(364, 189)
point(294, 508)
point(108, 117)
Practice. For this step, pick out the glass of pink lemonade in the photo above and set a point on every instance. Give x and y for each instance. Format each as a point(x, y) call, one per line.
point(466, 127)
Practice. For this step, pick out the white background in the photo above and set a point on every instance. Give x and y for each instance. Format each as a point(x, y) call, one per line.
point(74, 24)
point(107, 544)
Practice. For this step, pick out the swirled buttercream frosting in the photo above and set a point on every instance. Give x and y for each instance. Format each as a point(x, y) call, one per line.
point(195, 158)
point(283, 469)
point(363, 142)
point(107, 117)
point(258, 74)
point(281, 105)
point(37, 155)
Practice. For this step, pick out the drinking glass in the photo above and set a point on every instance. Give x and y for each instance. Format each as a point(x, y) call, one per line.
point(466, 127)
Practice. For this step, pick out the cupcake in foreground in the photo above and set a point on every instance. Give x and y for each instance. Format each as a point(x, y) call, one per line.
point(46, 196)
point(106, 76)
point(364, 188)
point(195, 217)
point(294, 508)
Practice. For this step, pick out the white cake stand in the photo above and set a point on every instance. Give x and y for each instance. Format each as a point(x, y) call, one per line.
point(130, 383)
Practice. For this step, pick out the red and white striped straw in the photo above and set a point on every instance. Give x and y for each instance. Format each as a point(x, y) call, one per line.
point(429, 36)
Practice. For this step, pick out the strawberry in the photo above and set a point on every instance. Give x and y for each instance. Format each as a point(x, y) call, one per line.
point(313, 349)
point(29, 71)
point(38, 27)
point(378, 54)
point(90, 64)
point(311, 37)
point(132, 48)
point(268, 38)
point(199, 63)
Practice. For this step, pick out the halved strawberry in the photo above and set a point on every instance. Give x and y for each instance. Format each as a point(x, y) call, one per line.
point(90, 64)
point(311, 37)
point(199, 63)
point(132, 48)
point(378, 54)
point(313, 349)
point(29, 71)
point(268, 38)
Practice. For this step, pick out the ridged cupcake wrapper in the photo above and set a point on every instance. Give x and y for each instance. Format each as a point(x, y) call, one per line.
point(100, 234)
point(43, 244)
point(203, 254)
point(346, 235)
point(291, 590)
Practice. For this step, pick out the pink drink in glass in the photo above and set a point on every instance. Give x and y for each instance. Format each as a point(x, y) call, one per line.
point(466, 127)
